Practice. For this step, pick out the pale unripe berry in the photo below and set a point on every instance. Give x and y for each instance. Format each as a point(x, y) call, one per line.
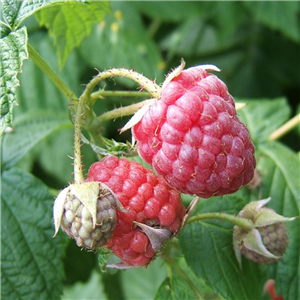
point(266, 239)
point(87, 213)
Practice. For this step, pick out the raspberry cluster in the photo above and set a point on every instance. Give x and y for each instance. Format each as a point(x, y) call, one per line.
point(146, 198)
point(193, 137)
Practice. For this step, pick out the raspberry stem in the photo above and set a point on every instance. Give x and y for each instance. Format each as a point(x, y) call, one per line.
point(43, 65)
point(103, 94)
point(143, 81)
point(78, 173)
point(239, 221)
point(285, 128)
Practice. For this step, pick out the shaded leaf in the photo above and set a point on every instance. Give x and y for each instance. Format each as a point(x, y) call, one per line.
point(123, 37)
point(30, 129)
point(13, 52)
point(140, 283)
point(169, 11)
point(92, 289)
point(204, 32)
point(70, 23)
point(278, 15)
point(31, 266)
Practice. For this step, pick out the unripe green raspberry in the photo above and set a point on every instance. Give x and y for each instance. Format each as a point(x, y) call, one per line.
point(273, 239)
point(267, 240)
point(87, 213)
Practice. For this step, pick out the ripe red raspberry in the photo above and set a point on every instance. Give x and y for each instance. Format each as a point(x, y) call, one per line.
point(193, 137)
point(147, 199)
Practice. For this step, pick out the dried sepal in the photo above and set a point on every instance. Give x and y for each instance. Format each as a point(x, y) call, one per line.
point(137, 116)
point(157, 236)
point(88, 194)
point(58, 208)
point(253, 242)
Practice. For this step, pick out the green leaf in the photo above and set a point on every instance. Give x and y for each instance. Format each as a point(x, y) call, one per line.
point(121, 40)
point(92, 289)
point(31, 266)
point(182, 283)
point(207, 248)
point(70, 23)
point(15, 12)
point(204, 33)
point(278, 15)
point(13, 52)
point(169, 11)
point(29, 130)
point(280, 174)
point(263, 116)
point(174, 288)
point(140, 283)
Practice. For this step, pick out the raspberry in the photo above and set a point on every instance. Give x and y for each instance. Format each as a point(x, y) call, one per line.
point(87, 213)
point(147, 200)
point(274, 238)
point(193, 137)
point(266, 239)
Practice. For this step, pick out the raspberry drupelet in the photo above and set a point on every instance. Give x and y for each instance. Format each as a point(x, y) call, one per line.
point(146, 198)
point(193, 137)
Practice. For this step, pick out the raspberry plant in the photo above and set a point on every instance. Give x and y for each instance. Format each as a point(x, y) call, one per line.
point(172, 243)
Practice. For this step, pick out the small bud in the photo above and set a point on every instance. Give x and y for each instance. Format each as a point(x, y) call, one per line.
point(266, 242)
point(87, 213)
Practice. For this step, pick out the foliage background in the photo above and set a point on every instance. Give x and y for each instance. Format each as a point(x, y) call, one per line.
point(257, 46)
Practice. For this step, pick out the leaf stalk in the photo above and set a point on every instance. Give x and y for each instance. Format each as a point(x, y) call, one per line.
point(57, 81)
point(285, 128)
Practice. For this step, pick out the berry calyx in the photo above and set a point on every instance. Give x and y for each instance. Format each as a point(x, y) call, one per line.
point(193, 137)
point(149, 203)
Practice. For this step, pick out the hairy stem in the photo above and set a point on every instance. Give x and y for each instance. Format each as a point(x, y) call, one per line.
point(239, 221)
point(78, 173)
point(103, 94)
point(143, 81)
point(285, 128)
point(57, 81)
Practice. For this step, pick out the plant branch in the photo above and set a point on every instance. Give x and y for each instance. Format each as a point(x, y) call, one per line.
point(143, 81)
point(103, 94)
point(57, 81)
point(78, 173)
point(285, 128)
point(239, 221)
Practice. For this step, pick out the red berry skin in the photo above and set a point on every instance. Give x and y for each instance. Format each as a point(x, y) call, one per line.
point(193, 137)
point(147, 199)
